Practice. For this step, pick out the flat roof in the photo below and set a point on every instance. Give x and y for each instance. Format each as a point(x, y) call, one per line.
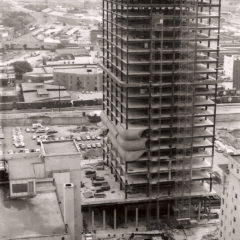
point(79, 70)
point(35, 71)
point(86, 96)
point(8, 92)
point(22, 167)
point(30, 97)
point(224, 167)
point(30, 217)
point(30, 87)
point(236, 157)
point(59, 148)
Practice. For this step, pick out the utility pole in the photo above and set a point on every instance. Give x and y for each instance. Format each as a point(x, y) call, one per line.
point(59, 97)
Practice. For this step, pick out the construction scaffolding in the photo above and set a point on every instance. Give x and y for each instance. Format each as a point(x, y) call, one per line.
point(160, 62)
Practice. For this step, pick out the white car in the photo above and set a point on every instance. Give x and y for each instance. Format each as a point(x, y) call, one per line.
point(26, 150)
point(34, 137)
point(10, 151)
point(16, 144)
point(20, 137)
point(89, 146)
point(37, 150)
point(88, 137)
point(27, 130)
point(37, 125)
point(22, 144)
point(41, 130)
point(98, 145)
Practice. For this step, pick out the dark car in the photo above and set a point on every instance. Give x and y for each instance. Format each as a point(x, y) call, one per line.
point(52, 131)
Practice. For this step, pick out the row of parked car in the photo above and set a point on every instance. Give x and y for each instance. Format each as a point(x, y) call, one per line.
point(18, 138)
point(87, 137)
point(25, 150)
point(90, 146)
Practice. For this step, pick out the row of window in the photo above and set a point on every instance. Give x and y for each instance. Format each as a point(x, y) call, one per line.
point(237, 170)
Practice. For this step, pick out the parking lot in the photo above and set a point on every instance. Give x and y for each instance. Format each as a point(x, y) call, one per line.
point(27, 139)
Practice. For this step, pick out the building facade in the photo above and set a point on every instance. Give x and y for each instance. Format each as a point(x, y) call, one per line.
point(230, 220)
point(232, 69)
point(7, 76)
point(160, 76)
point(87, 78)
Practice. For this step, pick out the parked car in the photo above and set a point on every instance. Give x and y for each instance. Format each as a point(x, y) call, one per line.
point(10, 151)
point(89, 146)
point(83, 146)
point(52, 131)
point(41, 130)
point(27, 130)
point(37, 125)
point(26, 150)
point(98, 145)
point(94, 145)
point(20, 145)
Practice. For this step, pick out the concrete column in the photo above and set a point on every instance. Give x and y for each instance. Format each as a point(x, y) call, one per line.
point(125, 216)
point(210, 185)
point(205, 205)
point(168, 210)
point(104, 219)
point(147, 213)
point(115, 218)
point(93, 225)
point(199, 210)
point(158, 209)
point(136, 217)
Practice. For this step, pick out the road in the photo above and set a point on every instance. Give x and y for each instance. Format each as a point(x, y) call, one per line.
point(53, 110)
point(25, 55)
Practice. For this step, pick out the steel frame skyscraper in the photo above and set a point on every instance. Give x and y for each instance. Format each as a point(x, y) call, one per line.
point(160, 62)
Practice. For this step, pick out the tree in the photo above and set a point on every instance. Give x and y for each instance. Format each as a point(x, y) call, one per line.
point(21, 67)
point(17, 20)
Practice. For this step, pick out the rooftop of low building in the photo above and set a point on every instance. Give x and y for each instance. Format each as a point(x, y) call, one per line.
point(22, 167)
point(60, 147)
point(29, 217)
point(30, 87)
point(79, 70)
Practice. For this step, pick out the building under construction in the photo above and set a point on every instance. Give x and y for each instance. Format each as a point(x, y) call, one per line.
point(160, 62)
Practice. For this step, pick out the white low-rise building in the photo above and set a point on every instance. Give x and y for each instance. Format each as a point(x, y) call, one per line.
point(230, 207)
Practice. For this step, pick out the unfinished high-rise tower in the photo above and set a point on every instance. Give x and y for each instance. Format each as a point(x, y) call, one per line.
point(160, 62)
